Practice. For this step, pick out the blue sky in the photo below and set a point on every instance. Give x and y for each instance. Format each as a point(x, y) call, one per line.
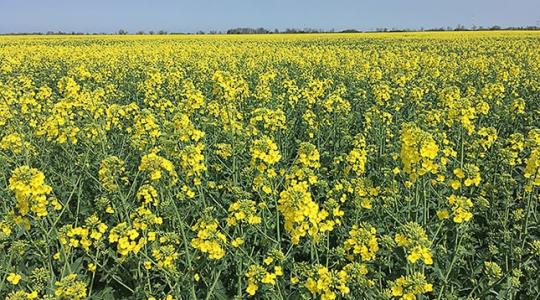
point(191, 16)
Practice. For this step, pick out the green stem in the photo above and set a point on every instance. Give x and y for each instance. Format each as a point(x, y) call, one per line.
point(186, 248)
point(457, 243)
point(211, 291)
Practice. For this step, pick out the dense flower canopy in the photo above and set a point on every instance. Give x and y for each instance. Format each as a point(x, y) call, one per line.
point(358, 166)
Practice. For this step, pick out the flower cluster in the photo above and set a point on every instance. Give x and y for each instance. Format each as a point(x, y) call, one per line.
point(83, 236)
point(30, 190)
point(410, 286)
point(209, 239)
point(418, 151)
point(532, 167)
point(166, 257)
point(257, 274)
point(356, 159)
point(461, 208)
point(155, 165)
point(111, 173)
point(470, 174)
point(148, 195)
point(15, 143)
point(70, 288)
point(264, 154)
point(192, 162)
point(271, 120)
point(413, 238)
point(185, 129)
point(243, 211)
point(302, 216)
point(327, 283)
point(305, 165)
point(128, 240)
point(146, 130)
point(362, 240)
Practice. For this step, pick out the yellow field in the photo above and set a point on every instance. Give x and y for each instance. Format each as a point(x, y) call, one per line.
point(358, 166)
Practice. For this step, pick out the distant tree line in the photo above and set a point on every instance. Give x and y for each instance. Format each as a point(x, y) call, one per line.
point(261, 30)
point(459, 27)
point(245, 30)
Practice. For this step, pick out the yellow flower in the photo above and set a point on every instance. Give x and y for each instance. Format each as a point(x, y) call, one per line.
point(461, 207)
point(302, 215)
point(418, 152)
point(408, 287)
point(268, 260)
point(14, 278)
point(459, 173)
point(414, 239)
point(252, 288)
point(363, 241)
point(455, 184)
point(5, 229)
point(243, 211)
point(420, 252)
point(111, 172)
point(109, 210)
point(192, 162)
point(30, 190)
point(357, 157)
point(209, 239)
point(442, 214)
point(237, 242)
point(154, 165)
point(147, 265)
point(91, 267)
point(32, 295)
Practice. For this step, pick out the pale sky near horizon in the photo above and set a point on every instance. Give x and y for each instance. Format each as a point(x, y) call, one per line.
point(191, 16)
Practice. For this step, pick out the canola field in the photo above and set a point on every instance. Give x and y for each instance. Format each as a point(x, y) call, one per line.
point(331, 166)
